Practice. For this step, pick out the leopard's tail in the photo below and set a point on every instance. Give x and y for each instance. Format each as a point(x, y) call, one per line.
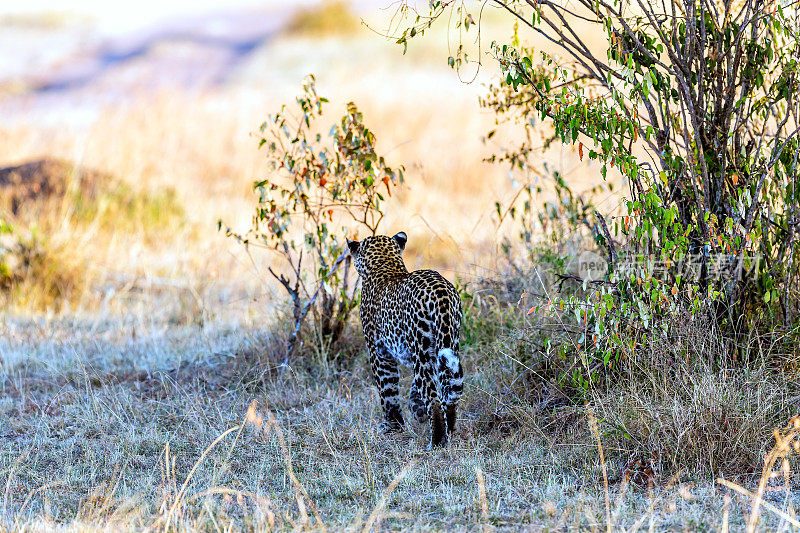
point(448, 372)
point(451, 383)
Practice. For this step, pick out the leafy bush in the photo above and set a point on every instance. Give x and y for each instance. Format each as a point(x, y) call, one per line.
point(706, 91)
point(36, 272)
point(320, 191)
point(7, 263)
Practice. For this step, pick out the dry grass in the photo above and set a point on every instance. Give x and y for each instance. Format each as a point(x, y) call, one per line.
point(107, 431)
point(678, 403)
point(107, 420)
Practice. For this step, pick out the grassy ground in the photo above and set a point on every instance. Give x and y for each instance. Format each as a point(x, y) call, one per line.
point(132, 423)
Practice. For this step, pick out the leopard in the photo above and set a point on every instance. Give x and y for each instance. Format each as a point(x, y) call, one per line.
point(411, 319)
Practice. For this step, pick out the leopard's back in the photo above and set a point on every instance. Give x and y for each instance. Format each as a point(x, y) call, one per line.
point(414, 313)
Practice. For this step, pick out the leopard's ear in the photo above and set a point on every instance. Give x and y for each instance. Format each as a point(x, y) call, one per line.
point(353, 246)
point(400, 239)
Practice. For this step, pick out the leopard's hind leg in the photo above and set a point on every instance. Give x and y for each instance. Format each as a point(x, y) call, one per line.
point(387, 379)
point(416, 403)
point(425, 373)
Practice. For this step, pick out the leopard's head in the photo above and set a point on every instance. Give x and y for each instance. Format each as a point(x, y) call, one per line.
point(378, 254)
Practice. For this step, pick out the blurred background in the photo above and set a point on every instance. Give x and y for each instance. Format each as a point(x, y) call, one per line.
point(157, 105)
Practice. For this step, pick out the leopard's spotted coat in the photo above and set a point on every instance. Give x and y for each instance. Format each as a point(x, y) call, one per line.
point(413, 318)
